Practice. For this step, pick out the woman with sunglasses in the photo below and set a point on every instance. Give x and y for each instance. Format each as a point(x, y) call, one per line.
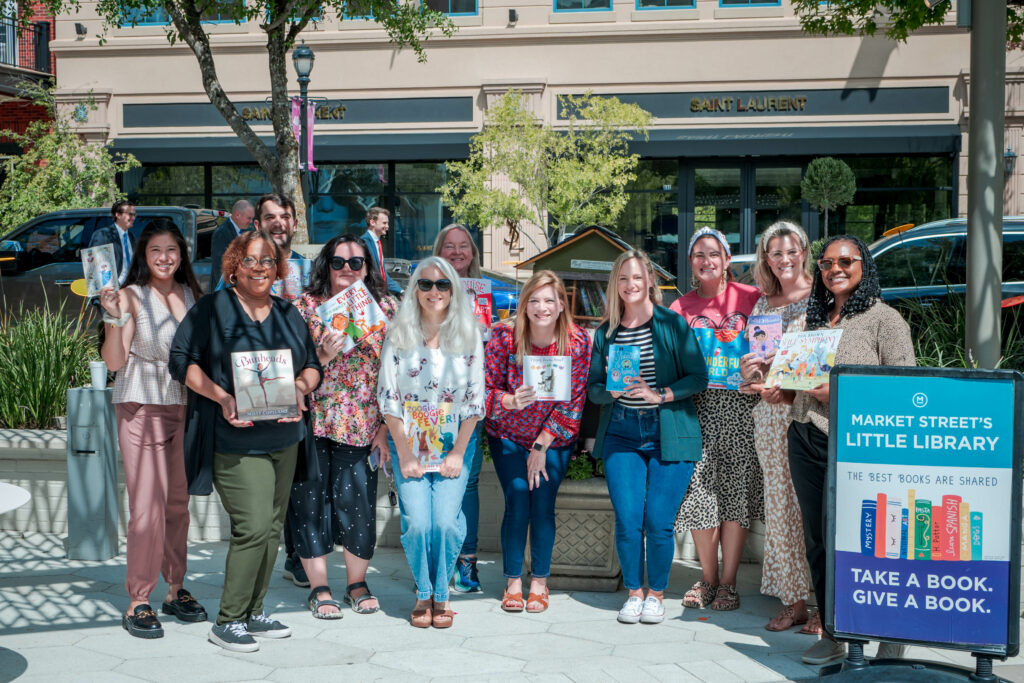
point(433, 357)
point(340, 507)
point(845, 296)
point(252, 464)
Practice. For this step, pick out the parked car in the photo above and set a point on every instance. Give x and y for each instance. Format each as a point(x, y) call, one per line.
point(42, 257)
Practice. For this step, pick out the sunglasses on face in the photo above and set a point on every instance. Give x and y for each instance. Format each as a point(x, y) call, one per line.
point(354, 263)
point(251, 261)
point(845, 262)
point(443, 285)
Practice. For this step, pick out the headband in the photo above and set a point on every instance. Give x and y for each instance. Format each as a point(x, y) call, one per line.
point(709, 232)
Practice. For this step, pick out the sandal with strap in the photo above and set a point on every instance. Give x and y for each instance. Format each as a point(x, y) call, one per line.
point(356, 601)
point(726, 599)
point(813, 625)
point(422, 618)
point(539, 598)
point(443, 618)
point(512, 602)
point(315, 604)
point(700, 595)
point(788, 618)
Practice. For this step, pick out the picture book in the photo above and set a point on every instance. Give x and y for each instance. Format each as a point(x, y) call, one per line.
point(355, 312)
point(804, 359)
point(722, 349)
point(290, 286)
point(764, 333)
point(549, 376)
point(623, 366)
point(264, 384)
point(431, 429)
point(479, 290)
point(100, 267)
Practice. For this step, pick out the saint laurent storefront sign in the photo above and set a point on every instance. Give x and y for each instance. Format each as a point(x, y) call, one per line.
point(762, 103)
point(323, 112)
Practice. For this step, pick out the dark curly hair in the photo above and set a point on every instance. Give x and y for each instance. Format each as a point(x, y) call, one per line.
point(320, 278)
point(236, 251)
point(864, 297)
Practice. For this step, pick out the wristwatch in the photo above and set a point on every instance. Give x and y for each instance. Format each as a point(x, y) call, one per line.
point(662, 394)
point(537, 446)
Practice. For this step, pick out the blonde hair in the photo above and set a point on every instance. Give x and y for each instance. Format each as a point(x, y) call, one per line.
point(763, 274)
point(474, 266)
point(615, 307)
point(563, 325)
point(460, 332)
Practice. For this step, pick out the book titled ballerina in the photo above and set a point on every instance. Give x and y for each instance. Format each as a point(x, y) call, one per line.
point(549, 376)
point(479, 291)
point(355, 312)
point(99, 264)
point(804, 359)
point(623, 366)
point(764, 333)
point(431, 429)
point(264, 384)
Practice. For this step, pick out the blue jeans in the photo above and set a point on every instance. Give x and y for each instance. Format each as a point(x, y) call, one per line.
point(646, 493)
point(525, 508)
point(433, 525)
point(471, 500)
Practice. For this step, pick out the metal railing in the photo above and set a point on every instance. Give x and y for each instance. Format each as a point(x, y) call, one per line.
point(26, 47)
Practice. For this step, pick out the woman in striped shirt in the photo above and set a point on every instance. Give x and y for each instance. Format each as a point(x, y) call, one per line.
point(648, 435)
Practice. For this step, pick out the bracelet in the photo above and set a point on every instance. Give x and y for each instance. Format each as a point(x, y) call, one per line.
point(117, 322)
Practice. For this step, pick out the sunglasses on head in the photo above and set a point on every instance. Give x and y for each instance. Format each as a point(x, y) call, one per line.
point(443, 285)
point(354, 263)
point(845, 262)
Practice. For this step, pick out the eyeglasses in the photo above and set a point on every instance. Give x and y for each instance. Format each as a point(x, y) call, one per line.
point(354, 263)
point(443, 285)
point(845, 262)
point(266, 262)
point(777, 256)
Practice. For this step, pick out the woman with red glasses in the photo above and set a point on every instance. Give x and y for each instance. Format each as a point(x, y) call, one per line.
point(431, 392)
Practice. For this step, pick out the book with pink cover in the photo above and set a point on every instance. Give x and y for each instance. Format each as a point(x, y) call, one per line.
point(431, 429)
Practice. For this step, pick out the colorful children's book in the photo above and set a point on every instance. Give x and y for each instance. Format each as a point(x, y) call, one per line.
point(549, 376)
point(479, 290)
point(623, 366)
point(722, 351)
point(764, 333)
point(431, 429)
point(804, 359)
point(100, 267)
point(355, 312)
point(290, 287)
point(264, 384)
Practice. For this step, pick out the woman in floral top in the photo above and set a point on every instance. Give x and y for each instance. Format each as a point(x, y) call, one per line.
point(531, 440)
point(433, 355)
point(340, 507)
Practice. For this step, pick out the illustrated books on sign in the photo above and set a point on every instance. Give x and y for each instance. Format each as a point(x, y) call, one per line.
point(264, 384)
point(355, 312)
point(431, 429)
point(804, 359)
point(100, 267)
point(549, 376)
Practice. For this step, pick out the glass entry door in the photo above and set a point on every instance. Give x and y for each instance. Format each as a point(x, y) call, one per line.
point(716, 203)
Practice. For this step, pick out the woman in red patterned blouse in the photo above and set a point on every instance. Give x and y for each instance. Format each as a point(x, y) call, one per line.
point(532, 435)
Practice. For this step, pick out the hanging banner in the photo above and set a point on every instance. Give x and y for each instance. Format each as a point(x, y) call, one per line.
point(924, 503)
point(310, 120)
point(296, 122)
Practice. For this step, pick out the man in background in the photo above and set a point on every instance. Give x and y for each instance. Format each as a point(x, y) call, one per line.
point(119, 234)
point(378, 220)
point(238, 222)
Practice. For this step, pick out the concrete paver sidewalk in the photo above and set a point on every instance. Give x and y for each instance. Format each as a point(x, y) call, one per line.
point(60, 620)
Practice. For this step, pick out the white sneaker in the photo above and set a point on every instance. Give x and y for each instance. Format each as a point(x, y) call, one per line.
point(653, 611)
point(891, 651)
point(824, 651)
point(631, 610)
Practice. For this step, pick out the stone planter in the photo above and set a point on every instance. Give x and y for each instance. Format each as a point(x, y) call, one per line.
point(584, 556)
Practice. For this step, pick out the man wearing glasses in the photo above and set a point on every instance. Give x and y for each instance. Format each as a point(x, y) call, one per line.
point(119, 234)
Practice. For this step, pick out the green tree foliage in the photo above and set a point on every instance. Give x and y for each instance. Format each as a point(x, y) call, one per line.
point(519, 171)
point(57, 168)
point(898, 18)
point(829, 183)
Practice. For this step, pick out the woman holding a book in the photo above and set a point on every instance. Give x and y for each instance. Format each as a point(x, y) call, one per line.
point(455, 245)
point(783, 272)
point(845, 296)
point(249, 362)
point(139, 324)
point(645, 367)
point(727, 491)
point(531, 430)
point(345, 298)
point(431, 393)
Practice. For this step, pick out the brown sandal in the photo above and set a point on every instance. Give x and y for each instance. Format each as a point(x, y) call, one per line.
point(539, 598)
point(813, 625)
point(422, 618)
point(700, 595)
point(726, 599)
point(443, 618)
point(512, 602)
point(788, 617)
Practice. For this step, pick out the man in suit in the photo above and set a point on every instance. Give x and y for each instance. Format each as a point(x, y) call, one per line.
point(119, 234)
point(378, 221)
point(240, 221)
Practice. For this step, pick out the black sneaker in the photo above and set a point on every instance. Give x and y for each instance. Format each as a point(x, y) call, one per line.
point(142, 623)
point(466, 578)
point(263, 626)
point(185, 607)
point(294, 572)
point(233, 636)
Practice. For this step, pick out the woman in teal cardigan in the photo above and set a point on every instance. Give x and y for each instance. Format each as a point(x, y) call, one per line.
point(648, 435)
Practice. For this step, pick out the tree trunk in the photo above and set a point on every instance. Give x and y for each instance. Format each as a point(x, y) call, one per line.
point(826, 222)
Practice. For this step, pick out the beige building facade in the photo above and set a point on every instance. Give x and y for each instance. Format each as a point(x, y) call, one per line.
point(743, 99)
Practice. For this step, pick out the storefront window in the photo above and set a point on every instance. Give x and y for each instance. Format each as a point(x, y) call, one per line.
point(717, 202)
point(419, 214)
point(231, 183)
point(650, 220)
point(342, 195)
point(776, 197)
point(165, 185)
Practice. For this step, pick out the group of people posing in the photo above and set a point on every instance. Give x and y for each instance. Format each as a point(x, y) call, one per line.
point(676, 454)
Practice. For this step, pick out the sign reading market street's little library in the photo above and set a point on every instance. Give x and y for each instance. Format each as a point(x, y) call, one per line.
point(924, 504)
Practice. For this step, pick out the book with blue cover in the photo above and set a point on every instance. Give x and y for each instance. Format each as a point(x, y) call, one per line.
point(623, 366)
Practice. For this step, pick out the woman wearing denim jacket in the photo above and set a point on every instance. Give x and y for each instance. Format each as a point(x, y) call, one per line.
point(648, 435)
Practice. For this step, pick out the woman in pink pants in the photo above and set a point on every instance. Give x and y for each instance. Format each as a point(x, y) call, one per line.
point(139, 323)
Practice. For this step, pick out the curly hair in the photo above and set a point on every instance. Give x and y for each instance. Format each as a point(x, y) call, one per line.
point(236, 251)
point(868, 291)
point(320, 278)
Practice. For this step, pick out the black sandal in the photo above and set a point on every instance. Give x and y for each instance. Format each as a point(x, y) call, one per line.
point(315, 604)
point(355, 602)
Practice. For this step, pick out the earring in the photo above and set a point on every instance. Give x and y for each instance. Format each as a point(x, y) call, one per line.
point(231, 279)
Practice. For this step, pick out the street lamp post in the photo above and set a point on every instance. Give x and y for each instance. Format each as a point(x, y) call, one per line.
point(302, 58)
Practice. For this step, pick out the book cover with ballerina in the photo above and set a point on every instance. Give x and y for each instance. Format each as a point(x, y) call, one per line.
point(431, 429)
point(804, 359)
point(355, 312)
point(99, 264)
point(264, 384)
point(549, 376)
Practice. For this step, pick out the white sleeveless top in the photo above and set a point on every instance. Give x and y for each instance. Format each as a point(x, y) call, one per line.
point(144, 378)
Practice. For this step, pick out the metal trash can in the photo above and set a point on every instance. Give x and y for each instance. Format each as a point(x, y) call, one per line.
point(92, 475)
